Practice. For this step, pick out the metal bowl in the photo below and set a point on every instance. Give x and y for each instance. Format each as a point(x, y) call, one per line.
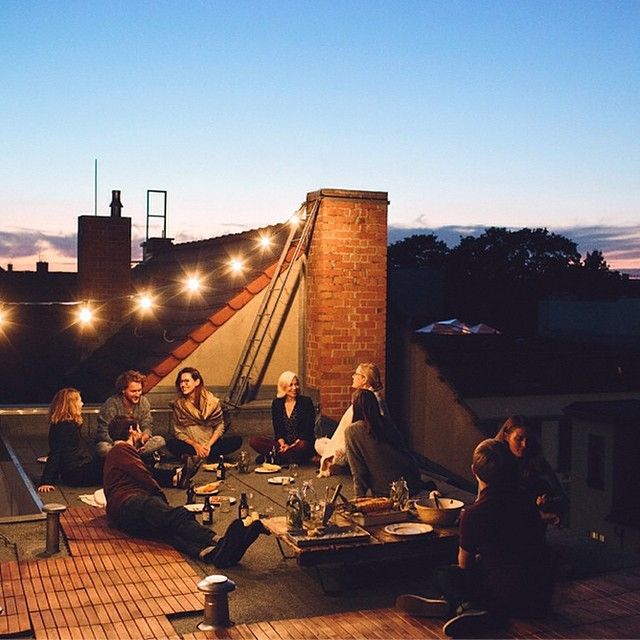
point(445, 516)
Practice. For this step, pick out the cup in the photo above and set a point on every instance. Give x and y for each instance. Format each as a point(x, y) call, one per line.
point(225, 504)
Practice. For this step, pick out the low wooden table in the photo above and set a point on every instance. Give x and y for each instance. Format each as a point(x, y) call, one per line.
point(440, 546)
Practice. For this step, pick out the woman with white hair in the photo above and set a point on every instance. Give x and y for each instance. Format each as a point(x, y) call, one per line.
point(293, 417)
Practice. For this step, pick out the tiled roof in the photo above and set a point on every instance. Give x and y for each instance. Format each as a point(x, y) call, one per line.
point(159, 342)
point(498, 365)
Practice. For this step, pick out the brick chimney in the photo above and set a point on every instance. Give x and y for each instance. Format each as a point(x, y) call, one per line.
point(346, 292)
point(104, 259)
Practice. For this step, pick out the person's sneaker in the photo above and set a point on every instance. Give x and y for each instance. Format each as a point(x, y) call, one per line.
point(468, 624)
point(252, 532)
point(423, 607)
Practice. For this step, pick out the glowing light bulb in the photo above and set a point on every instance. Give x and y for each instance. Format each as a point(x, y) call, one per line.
point(265, 241)
point(85, 315)
point(145, 302)
point(294, 219)
point(193, 284)
point(236, 265)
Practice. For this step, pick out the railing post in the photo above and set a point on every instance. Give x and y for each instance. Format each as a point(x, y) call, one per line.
point(53, 511)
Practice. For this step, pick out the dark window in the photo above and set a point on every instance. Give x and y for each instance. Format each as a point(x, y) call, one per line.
point(595, 461)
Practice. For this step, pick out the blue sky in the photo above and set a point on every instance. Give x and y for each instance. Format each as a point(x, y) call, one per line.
point(470, 114)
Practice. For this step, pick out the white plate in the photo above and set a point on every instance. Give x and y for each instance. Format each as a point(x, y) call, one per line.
point(279, 479)
point(408, 529)
point(195, 507)
point(215, 501)
point(268, 469)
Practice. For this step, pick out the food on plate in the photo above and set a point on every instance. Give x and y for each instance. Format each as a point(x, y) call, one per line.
point(210, 487)
point(267, 466)
point(372, 505)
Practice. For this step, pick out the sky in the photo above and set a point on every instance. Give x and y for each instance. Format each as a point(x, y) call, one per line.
point(469, 114)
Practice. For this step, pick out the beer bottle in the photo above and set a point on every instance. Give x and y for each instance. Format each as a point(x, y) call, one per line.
point(220, 470)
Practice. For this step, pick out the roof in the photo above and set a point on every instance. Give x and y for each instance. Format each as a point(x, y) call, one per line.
point(157, 343)
point(499, 365)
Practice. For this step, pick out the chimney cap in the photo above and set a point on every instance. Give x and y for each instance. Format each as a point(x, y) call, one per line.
point(116, 204)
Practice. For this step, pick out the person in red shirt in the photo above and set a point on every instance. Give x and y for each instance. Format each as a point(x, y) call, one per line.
point(137, 505)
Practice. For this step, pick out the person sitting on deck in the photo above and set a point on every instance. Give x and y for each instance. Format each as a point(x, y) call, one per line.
point(137, 505)
point(197, 421)
point(376, 451)
point(504, 566)
point(70, 455)
point(332, 451)
point(293, 416)
point(128, 401)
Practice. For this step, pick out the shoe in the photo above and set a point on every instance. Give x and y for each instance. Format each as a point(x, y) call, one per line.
point(423, 607)
point(230, 548)
point(252, 532)
point(468, 624)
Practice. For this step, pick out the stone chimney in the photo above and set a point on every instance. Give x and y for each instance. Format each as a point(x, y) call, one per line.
point(42, 267)
point(346, 292)
point(104, 259)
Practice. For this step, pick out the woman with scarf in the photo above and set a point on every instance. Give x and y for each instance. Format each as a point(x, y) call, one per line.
point(197, 422)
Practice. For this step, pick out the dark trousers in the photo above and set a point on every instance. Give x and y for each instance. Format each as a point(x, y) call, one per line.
point(87, 475)
point(222, 447)
point(152, 517)
point(299, 452)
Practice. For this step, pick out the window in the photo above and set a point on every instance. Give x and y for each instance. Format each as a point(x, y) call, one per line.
point(595, 461)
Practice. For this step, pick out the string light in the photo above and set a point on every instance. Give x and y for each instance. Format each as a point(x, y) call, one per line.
point(144, 302)
point(236, 265)
point(294, 219)
point(193, 284)
point(265, 241)
point(85, 315)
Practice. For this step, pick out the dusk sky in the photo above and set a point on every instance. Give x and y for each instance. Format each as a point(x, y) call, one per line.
point(470, 114)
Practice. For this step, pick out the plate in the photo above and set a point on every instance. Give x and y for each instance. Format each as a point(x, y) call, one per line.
point(216, 500)
point(213, 466)
point(270, 469)
point(279, 479)
point(408, 529)
point(195, 507)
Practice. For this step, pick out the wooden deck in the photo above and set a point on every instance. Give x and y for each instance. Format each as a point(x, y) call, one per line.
point(112, 586)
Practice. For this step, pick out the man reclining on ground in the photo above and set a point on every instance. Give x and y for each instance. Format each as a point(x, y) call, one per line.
point(137, 505)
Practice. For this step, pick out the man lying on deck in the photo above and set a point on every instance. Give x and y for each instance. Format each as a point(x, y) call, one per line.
point(137, 505)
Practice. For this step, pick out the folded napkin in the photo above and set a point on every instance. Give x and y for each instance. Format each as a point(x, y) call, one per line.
point(96, 499)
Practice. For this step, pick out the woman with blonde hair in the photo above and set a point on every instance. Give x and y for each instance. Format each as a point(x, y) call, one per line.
point(70, 456)
point(332, 450)
point(293, 416)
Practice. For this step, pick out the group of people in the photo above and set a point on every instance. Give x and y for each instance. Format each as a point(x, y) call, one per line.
point(504, 566)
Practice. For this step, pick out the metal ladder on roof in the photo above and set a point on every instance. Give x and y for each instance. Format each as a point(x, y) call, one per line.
point(260, 340)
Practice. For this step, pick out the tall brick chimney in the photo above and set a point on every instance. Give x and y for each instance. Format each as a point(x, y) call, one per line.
point(104, 259)
point(346, 292)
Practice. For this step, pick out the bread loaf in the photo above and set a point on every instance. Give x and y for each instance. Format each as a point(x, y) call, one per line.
point(371, 505)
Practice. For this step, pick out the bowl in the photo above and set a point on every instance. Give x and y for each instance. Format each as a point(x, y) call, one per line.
point(445, 516)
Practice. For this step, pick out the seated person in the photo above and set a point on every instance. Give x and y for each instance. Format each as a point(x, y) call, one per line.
point(70, 456)
point(137, 505)
point(294, 417)
point(504, 566)
point(332, 450)
point(128, 401)
point(376, 451)
point(534, 473)
point(197, 423)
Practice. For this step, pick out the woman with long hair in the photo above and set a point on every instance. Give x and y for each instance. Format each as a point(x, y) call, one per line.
point(376, 451)
point(293, 416)
point(197, 422)
point(70, 456)
point(332, 450)
point(532, 471)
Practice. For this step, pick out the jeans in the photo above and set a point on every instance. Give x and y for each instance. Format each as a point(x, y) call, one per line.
point(222, 447)
point(152, 517)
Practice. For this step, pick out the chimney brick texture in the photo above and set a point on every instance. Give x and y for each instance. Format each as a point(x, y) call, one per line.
point(346, 292)
point(104, 257)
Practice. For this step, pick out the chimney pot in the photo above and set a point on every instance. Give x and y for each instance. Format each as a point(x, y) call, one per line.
point(116, 205)
point(42, 267)
point(10, 266)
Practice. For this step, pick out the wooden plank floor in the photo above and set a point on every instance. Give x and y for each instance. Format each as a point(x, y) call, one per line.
point(113, 587)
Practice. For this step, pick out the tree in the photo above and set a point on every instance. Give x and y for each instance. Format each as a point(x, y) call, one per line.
point(424, 250)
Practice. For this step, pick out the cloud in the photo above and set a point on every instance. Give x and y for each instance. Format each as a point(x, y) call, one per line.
point(619, 244)
point(25, 242)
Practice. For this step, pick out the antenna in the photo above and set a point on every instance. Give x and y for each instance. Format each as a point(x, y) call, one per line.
point(95, 187)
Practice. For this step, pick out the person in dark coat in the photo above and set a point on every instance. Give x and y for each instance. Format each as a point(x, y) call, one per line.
point(293, 416)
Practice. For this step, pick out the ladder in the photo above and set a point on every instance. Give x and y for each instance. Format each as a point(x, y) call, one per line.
point(259, 340)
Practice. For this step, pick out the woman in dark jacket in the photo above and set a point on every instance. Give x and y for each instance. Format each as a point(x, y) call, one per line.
point(70, 456)
point(293, 417)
